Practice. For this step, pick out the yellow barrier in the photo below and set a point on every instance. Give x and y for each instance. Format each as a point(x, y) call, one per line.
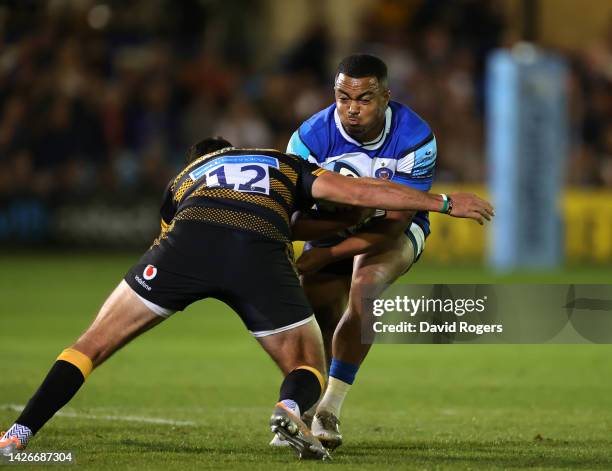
point(588, 225)
point(453, 239)
point(587, 222)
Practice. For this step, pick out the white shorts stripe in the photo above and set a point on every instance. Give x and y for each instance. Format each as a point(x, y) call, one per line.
point(419, 236)
point(265, 333)
point(158, 310)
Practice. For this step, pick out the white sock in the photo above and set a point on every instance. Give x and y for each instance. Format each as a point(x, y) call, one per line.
point(292, 406)
point(334, 396)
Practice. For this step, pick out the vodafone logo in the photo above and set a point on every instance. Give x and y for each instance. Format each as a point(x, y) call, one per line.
point(149, 272)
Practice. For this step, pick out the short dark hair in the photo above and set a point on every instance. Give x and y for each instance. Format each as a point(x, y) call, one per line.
point(206, 146)
point(363, 65)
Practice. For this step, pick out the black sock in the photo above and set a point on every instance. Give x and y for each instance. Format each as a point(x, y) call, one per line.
point(302, 386)
point(61, 384)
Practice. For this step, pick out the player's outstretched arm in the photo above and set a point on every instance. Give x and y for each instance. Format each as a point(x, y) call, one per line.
point(375, 193)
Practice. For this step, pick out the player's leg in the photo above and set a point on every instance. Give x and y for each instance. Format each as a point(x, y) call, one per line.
point(298, 352)
point(123, 317)
point(328, 292)
point(275, 310)
point(371, 275)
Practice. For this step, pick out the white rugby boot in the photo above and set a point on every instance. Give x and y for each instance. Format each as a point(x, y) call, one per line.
point(326, 427)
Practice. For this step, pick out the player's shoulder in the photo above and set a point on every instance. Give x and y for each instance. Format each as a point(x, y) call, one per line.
point(409, 128)
point(318, 121)
point(315, 132)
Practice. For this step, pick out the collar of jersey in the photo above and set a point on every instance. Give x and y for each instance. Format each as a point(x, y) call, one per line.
point(373, 144)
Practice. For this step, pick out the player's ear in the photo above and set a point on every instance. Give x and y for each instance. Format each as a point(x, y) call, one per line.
point(387, 96)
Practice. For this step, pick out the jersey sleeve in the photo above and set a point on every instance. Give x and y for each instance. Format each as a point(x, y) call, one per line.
point(168, 208)
point(416, 168)
point(309, 172)
point(297, 147)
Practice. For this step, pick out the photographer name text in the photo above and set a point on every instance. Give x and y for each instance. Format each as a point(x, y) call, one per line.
point(430, 306)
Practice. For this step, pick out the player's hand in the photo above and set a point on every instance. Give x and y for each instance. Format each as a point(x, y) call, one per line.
point(313, 260)
point(469, 205)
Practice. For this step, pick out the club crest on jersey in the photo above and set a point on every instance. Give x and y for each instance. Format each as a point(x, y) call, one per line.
point(384, 173)
point(149, 272)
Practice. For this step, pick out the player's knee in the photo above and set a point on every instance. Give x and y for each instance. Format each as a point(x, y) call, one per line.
point(93, 346)
point(367, 281)
point(311, 351)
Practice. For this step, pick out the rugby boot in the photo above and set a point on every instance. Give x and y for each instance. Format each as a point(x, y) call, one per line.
point(9, 445)
point(277, 440)
point(326, 427)
point(291, 428)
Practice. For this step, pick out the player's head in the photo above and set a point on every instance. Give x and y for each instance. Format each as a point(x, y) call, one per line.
point(206, 146)
point(362, 94)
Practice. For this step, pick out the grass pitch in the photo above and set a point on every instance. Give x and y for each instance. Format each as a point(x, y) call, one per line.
point(413, 406)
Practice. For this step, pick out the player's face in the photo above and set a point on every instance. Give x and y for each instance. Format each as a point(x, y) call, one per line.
point(361, 104)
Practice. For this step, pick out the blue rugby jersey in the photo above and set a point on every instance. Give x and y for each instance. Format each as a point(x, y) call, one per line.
point(405, 152)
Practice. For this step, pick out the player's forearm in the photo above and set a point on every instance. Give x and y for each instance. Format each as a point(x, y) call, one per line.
point(305, 227)
point(392, 196)
point(357, 245)
point(376, 237)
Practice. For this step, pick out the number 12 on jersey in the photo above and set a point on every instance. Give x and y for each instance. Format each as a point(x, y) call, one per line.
point(246, 173)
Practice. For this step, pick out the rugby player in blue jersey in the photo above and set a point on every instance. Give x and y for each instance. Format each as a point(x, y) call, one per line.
point(363, 134)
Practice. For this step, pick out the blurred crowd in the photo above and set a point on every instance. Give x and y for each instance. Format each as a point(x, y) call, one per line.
point(106, 98)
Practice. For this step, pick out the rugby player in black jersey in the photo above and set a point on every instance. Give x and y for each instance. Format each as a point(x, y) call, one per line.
point(226, 234)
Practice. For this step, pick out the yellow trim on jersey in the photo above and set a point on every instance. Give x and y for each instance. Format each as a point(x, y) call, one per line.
point(319, 171)
point(316, 372)
point(246, 197)
point(232, 218)
point(288, 172)
point(198, 161)
point(78, 359)
point(164, 225)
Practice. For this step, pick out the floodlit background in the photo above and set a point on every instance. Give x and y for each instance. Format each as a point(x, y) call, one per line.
point(100, 100)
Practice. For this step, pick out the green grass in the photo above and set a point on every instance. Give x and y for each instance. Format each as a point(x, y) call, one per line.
point(412, 407)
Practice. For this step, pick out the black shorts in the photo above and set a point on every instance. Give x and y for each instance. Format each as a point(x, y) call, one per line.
point(250, 273)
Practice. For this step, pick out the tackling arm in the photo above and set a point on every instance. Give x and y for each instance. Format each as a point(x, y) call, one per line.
point(369, 192)
point(319, 224)
point(376, 237)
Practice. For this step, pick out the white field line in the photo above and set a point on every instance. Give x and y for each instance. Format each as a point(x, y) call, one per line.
point(119, 418)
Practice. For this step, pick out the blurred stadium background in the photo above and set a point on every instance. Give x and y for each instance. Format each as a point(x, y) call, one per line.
point(99, 101)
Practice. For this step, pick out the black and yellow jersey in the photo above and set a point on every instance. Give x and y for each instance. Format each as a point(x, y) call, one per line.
point(254, 190)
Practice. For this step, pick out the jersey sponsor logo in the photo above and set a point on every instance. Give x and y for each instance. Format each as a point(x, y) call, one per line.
point(345, 169)
point(142, 283)
point(149, 272)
